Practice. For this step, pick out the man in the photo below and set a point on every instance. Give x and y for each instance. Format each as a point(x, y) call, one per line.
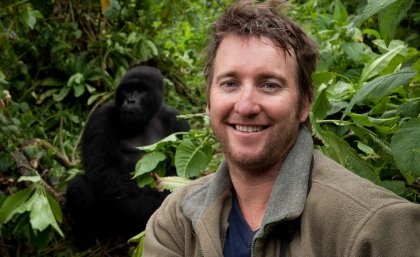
point(274, 195)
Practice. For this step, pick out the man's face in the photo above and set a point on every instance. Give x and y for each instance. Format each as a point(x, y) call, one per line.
point(253, 104)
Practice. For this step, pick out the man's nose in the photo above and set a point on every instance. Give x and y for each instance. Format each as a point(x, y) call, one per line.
point(247, 104)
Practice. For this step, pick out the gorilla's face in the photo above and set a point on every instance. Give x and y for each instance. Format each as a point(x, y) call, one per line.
point(139, 95)
point(137, 106)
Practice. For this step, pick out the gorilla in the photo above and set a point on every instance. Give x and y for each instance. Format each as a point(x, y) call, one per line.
point(105, 203)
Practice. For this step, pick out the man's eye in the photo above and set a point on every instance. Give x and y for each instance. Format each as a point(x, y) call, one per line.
point(229, 84)
point(270, 86)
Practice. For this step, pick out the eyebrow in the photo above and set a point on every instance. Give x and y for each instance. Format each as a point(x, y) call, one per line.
point(227, 74)
point(267, 75)
point(262, 76)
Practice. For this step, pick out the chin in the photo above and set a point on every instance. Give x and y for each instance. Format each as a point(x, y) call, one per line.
point(253, 163)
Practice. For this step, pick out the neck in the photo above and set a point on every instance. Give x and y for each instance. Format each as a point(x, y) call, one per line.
point(253, 191)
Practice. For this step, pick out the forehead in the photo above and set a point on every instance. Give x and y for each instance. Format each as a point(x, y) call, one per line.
point(251, 54)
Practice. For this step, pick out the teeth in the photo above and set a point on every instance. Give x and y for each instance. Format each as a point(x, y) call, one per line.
point(248, 128)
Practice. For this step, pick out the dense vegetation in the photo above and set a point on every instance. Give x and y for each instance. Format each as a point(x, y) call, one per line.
point(60, 59)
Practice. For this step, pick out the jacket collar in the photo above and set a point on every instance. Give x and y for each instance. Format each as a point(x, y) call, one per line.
point(287, 198)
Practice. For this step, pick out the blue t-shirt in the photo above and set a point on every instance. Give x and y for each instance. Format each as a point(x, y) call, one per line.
point(238, 235)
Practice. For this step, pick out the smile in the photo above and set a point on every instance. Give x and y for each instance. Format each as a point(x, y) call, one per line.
point(249, 128)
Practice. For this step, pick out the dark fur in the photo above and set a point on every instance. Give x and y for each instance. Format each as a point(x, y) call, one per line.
point(106, 203)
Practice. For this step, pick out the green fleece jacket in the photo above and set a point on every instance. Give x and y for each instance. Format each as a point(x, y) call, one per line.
point(328, 212)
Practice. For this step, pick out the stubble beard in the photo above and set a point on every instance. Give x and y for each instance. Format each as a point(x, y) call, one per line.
point(276, 148)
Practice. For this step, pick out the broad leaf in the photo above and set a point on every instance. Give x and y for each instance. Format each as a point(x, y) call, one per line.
point(391, 16)
point(409, 109)
point(79, 89)
point(397, 187)
point(380, 87)
point(368, 121)
point(340, 12)
point(152, 147)
point(372, 8)
point(405, 145)
point(340, 150)
point(29, 18)
point(320, 78)
point(380, 146)
point(340, 91)
point(173, 183)
point(374, 67)
point(144, 180)
point(354, 51)
point(14, 204)
point(321, 105)
point(192, 158)
point(41, 216)
point(55, 208)
point(148, 163)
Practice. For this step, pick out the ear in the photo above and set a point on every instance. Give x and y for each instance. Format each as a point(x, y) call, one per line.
point(207, 110)
point(305, 109)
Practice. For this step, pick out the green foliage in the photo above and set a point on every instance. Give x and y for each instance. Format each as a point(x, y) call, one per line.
point(193, 156)
point(44, 211)
point(190, 154)
point(405, 146)
point(139, 239)
point(366, 110)
point(61, 59)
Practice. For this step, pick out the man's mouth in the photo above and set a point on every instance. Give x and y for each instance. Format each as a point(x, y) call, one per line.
point(249, 128)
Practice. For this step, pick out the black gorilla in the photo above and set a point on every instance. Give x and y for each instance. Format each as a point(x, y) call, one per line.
point(105, 203)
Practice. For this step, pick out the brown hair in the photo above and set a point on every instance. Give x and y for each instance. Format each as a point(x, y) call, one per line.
point(245, 18)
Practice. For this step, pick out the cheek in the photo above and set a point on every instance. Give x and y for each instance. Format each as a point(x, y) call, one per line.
point(215, 112)
point(219, 105)
point(282, 108)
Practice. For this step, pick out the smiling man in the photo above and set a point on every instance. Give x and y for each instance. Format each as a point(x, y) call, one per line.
point(274, 195)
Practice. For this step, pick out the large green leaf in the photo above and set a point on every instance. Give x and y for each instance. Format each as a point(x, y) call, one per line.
point(391, 16)
point(377, 65)
point(41, 215)
point(191, 158)
point(152, 147)
point(340, 12)
point(340, 150)
point(321, 105)
point(380, 146)
point(55, 208)
point(354, 50)
point(397, 187)
point(29, 18)
point(380, 87)
point(368, 121)
point(372, 8)
point(148, 163)
point(14, 204)
point(405, 145)
point(410, 109)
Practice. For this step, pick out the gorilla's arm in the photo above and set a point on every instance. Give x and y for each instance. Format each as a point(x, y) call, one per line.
point(170, 122)
point(103, 155)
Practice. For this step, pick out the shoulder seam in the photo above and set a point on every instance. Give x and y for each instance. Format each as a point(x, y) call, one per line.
point(348, 195)
point(365, 220)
